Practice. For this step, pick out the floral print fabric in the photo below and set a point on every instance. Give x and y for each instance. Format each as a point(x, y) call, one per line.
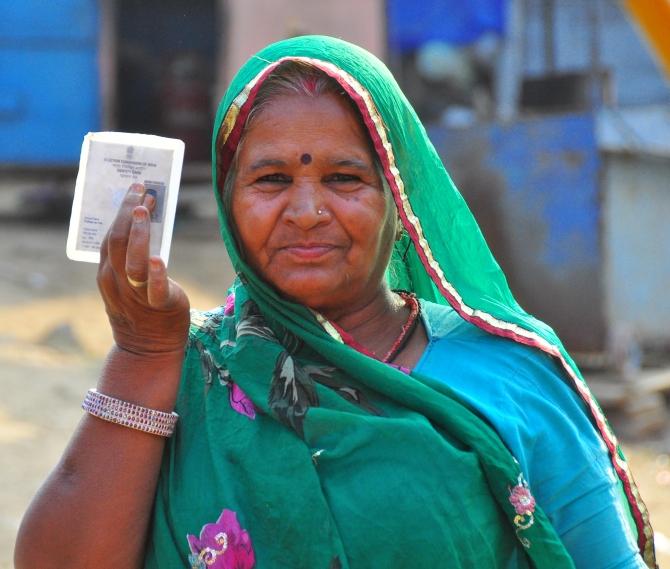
point(222, 545)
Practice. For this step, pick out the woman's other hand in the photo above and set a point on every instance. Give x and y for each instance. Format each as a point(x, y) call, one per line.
point(148, 311)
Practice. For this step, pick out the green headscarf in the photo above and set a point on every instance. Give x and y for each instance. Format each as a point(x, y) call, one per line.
point(289, 368)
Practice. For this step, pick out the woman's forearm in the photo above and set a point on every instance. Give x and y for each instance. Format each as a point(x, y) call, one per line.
point(95, 507)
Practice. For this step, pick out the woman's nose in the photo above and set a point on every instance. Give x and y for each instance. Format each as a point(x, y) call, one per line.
point(306, 205)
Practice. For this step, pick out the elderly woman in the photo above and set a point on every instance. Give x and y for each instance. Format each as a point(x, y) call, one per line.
point(370, 395)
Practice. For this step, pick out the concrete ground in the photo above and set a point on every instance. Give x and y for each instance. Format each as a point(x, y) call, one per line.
point(54, 334)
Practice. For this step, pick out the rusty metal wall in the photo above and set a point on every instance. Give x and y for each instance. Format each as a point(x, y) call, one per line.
point(534, 187)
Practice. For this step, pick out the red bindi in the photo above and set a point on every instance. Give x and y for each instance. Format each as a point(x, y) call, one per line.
point(305, 158)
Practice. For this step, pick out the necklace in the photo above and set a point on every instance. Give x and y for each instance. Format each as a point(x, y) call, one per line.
point(407, 329)
point(399, 343)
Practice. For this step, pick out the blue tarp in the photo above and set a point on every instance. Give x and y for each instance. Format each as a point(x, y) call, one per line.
point(49, 86)
point(412, 23)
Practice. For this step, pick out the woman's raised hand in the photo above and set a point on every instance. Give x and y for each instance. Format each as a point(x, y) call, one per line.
point(100, 496)
point(148, 312)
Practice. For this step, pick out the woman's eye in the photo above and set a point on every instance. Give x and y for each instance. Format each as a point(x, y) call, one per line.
point(274, 179)
point(342, 179)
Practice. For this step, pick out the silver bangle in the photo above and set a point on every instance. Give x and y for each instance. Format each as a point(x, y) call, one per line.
point(129, 415)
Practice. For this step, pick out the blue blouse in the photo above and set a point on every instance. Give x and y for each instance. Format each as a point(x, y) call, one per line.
point(524, 394)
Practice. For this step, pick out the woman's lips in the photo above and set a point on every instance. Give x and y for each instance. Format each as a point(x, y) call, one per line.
point(308, 251)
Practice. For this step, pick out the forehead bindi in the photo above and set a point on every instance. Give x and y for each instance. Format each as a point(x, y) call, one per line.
point(306, 158)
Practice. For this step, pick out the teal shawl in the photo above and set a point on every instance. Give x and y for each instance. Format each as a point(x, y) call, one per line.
point(287, 431)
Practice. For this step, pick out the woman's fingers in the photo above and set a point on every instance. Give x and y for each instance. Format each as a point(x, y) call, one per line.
point(149, 313)
point(129, 236)
point(118, 235)
point(137, 252)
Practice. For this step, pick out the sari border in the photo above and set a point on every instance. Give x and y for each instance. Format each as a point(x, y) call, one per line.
point(232, 126)
point(332, 330)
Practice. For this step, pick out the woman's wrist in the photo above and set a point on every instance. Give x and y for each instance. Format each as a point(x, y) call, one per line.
point(150, 379)
point(148, 347)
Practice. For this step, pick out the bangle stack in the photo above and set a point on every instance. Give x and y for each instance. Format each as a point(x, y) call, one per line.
point(129, 415)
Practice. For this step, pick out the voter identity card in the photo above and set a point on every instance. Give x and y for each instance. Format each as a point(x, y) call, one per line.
point(110, 163)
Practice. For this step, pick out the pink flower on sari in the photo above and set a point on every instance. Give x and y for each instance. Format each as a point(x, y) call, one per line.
point(524, 506)
point(222, 545)
point(240, 402)
point(229, 307)
point(522, 500)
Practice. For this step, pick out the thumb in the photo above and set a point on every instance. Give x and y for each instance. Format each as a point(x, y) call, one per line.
point(158, 284)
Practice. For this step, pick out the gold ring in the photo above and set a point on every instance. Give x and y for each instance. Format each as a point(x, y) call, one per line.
point(136, 284)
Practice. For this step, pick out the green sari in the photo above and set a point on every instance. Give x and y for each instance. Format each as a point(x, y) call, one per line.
point(286, 430)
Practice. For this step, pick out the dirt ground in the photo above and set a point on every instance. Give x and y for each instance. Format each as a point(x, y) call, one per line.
point(54, 334)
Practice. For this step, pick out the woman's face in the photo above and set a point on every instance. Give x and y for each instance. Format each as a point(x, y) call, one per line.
point(308, 205)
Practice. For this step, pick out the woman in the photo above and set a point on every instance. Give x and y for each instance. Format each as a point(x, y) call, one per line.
point(325, 420)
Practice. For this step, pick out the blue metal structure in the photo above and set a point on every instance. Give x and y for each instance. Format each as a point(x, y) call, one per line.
point(534, 187)
point(49, 80)
point(412, 23)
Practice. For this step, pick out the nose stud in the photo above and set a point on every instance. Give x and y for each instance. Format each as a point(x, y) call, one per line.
point(319, 211)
